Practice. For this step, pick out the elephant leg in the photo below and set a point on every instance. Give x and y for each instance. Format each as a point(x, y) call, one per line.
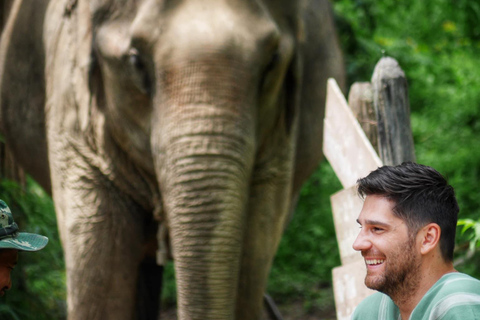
point(103, 236)
point(268, 212)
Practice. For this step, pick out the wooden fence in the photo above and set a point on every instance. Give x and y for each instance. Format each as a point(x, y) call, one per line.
point(377, 122)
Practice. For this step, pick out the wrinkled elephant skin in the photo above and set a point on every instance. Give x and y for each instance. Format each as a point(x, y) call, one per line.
point(204, 117)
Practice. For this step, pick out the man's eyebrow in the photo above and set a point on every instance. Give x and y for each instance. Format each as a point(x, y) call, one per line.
point(374, 222)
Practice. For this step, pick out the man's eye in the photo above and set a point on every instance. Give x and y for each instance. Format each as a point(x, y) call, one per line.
point(376, 229)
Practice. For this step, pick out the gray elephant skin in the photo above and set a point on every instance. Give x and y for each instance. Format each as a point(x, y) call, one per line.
point(201, 116)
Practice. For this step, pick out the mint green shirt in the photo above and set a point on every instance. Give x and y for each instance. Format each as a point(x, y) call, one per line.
point(455, 296)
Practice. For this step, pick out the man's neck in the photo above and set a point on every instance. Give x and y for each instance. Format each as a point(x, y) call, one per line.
point(408, 297)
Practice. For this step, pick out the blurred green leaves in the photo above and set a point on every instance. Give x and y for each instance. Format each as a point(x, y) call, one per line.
point(308, 250)
point(472, 228)
point(38, 281)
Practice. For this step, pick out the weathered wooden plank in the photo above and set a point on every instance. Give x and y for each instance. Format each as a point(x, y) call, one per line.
point(346, 206)
point(360, 100)
point(345, 145)
point(390, 99)
point(349, 288)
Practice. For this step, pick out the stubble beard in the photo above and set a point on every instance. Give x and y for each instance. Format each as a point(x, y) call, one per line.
point(401, 275)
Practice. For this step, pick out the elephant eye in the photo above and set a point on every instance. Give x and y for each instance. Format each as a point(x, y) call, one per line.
point(271, 72)
point(139, 71)
point(274, 60)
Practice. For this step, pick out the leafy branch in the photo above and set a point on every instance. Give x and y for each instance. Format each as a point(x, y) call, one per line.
point(472, 229)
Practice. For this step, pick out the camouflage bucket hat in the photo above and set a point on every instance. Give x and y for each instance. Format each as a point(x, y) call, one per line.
point(10, 238)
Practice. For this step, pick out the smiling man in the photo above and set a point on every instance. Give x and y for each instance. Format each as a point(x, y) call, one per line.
point(12, 241)
point(407, 237)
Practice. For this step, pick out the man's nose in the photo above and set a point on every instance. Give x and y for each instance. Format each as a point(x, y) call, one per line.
point(361, 243)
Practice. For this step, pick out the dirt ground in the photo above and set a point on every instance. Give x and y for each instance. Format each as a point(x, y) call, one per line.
point(291, 311)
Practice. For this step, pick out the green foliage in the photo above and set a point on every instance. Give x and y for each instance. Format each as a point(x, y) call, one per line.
point(169, 289)
point(38, 281)
point(467, 255)
point(308, 250)
point(472, 227)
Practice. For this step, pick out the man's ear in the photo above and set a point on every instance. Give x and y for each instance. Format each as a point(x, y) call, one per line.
point(429, 237)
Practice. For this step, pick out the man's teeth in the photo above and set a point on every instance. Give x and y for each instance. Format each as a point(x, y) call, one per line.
point(374, 261)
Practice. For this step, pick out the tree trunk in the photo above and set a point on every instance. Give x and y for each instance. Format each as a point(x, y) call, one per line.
point(360, 100)
point(390, 98)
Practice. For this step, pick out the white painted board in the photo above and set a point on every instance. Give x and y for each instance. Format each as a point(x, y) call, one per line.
point(349, 288)
point(345, 145)
point(346, 206)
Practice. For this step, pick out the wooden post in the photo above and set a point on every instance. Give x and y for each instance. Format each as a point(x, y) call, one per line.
point(390, 99)
point(360, 100)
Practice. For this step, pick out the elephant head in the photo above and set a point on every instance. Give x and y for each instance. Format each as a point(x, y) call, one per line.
point(204, 116)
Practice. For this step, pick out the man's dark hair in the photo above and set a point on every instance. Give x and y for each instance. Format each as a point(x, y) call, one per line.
point(421, 195)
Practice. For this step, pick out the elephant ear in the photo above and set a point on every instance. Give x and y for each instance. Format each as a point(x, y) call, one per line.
point(22, 87)
point(322, 59)
point(70, 65)
point(85, 63)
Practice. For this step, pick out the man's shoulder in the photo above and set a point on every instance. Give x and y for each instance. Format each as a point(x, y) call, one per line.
point(373, 306)
point(373, 299)
point(454, 296)
point(456, 282)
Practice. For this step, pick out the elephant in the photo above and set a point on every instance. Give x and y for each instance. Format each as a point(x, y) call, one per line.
point(179, 128)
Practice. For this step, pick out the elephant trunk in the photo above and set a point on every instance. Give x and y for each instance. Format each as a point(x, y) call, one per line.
point(204, 136)
point(204, 158)
point(206, 220)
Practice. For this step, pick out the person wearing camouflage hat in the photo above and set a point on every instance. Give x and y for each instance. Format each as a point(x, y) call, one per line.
point(12, 241)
